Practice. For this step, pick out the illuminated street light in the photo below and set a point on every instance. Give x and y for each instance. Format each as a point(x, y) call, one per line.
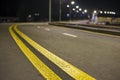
point(77, 11)
point(101, 12)
point(94, 11)
point(68, 6)
point(111, 12)
point(114, 13)
point(105, 12)
point(73, 9)
point(85, 10)
point(108, 12)
point(29, 16)
point(77, 7)
point(80, 9)
point(68, 14)
point(72, 2)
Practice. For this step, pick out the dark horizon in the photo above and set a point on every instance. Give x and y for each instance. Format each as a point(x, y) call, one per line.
point(16, 8)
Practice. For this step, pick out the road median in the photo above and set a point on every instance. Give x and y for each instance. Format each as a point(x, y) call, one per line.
point(112, 30)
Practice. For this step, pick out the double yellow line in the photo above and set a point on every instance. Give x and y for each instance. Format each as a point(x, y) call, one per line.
point(47, 73)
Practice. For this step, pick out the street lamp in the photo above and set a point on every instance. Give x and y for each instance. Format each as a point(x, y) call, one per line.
point(29, 16)
point(95, 11)
point(80, 9)
point(105, 12)
point(85, 10)
point(73, 9)
point(77, 11)
point(49, 10)
point(108, 12)
point(60, 11)
point(68, 6)
point(72, 2)
point(114, 13)
point(101, 12)
point(77, 7)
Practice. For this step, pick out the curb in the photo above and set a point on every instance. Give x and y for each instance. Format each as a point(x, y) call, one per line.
point(112, 30)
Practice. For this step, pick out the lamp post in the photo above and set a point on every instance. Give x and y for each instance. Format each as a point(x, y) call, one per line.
point(60, 11)
point(71, 3)
point(49, 10)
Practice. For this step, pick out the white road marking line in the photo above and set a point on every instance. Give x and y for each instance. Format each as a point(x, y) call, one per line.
point(69, 34)
point(47, 29)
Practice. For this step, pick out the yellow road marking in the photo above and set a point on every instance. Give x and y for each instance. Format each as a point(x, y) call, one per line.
point(38, 64)
point(74, 72)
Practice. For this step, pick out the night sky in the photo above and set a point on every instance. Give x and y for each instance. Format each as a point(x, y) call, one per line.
point(25, 7)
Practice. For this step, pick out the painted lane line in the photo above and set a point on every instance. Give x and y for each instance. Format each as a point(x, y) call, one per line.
point(47, 29)
point(37, 63)
point(67, 34)
point(71, 70)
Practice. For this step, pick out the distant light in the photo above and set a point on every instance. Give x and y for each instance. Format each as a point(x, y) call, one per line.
point(37, 14)
point(77, 7)
point(73, 9)
point(29, 15)
point(108, 12)
point(85, 10)
point(77, 11)
point(101, 12)
point(80, 9)
point(95, 11)
point(72, 2)
point(105, 12)
point(68, 6)
point(114, 12)
point(68, 14)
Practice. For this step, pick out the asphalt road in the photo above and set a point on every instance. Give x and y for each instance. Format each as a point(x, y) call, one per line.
point(96, 54)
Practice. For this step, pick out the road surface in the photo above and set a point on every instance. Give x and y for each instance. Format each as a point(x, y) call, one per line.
point(96, 54)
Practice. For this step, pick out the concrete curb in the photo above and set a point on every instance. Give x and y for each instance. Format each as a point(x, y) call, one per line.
point(113, 30)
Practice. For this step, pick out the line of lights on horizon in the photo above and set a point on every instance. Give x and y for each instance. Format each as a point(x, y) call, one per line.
point(77, 9)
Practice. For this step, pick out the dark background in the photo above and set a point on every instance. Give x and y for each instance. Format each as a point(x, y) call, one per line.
point(22, 8)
